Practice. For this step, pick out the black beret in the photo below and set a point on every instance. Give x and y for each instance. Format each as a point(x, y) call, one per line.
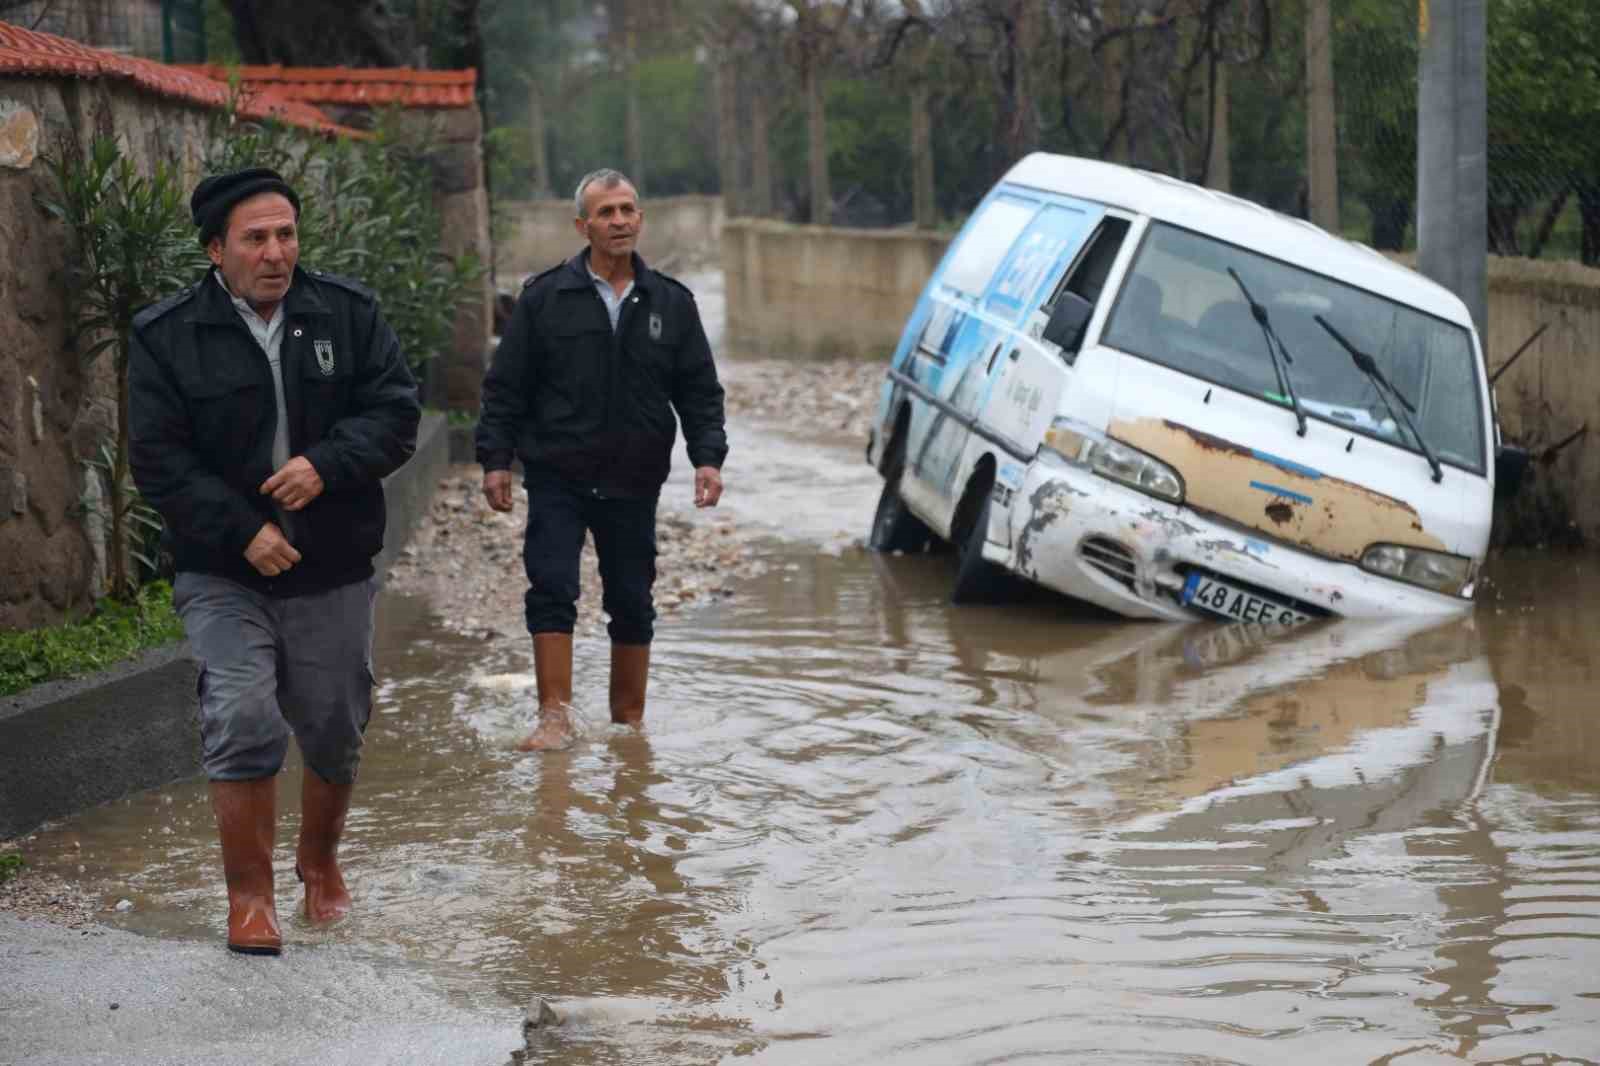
point(215, 196)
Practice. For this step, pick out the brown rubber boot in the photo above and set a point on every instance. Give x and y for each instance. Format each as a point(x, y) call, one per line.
point(247, 822)
point(630, 670)
point(552, 668)
point(323, 807)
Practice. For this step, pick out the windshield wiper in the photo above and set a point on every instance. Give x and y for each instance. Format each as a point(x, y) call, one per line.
point(1279, 363)
point(1384, 388)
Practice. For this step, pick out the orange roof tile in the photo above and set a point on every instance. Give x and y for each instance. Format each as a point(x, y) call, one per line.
point(358, 86)
point(29, 52)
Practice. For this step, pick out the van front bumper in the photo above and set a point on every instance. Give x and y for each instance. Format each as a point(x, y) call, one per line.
point(1095, 540)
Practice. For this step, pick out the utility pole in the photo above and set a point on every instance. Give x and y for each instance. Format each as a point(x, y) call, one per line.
point(1452, 151)
point(1322, 121)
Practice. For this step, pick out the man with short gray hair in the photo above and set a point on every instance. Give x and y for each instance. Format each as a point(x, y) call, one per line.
point(600, 354)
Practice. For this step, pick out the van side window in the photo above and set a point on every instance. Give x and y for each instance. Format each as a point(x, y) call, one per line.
point(1087, 277)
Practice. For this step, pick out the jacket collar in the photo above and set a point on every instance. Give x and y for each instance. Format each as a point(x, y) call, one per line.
point(213, 305)
point(575, 273)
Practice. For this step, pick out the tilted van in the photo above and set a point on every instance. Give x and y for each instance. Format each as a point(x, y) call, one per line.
point(1175, 403)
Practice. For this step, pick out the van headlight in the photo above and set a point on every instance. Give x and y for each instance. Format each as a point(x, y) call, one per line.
point(1112, 460)
point(1432, 570)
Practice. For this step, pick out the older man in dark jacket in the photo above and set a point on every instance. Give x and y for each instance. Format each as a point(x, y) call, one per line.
point(599, 354)
point(266, 403)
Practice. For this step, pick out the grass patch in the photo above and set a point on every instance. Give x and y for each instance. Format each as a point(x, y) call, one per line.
point(110, 634)
point(11, 865)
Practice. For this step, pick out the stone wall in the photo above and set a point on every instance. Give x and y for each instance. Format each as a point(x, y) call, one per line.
point(818, 291)
point(533, 235)
point(55, 412)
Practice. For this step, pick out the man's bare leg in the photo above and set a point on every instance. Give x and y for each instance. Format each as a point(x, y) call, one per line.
point(630, 671)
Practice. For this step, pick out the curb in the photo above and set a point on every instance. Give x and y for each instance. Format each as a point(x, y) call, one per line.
point(69, 745)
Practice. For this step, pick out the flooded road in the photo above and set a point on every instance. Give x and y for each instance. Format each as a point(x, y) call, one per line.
point(864, 826)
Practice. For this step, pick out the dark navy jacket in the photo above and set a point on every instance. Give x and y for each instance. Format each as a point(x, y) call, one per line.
point(202, 413)
point(568, 396)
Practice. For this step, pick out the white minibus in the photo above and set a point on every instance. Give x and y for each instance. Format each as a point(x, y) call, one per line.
point(1175, 403)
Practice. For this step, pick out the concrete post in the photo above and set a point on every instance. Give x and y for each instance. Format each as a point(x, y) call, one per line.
point(1452, 151)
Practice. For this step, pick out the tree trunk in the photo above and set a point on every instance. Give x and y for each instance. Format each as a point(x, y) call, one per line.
point(1113, 53)
point(1589, 212)
point(358, 34)
point(727, 78)
point(539, 154)
point(1219, 168)
point(817, 144)
point(1503, 218)
point(924, 211)
point(632, 131)
point(117, 551)
point(760, 201)
point(1322, 164)
point(1547, 224)
point(1021, 131)
point(1390, 216)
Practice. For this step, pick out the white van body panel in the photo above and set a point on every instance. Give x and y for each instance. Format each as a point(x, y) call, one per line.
point(974, 390)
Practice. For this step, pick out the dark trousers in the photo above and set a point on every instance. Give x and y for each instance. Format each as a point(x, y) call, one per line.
point(559, 513)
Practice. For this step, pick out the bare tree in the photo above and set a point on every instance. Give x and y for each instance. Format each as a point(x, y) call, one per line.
point(362, 33)
point(909, 43)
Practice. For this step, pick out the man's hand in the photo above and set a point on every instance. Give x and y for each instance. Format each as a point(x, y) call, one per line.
point(295, 484)
point(497, 489)
point(707, 486)
point(269, 552)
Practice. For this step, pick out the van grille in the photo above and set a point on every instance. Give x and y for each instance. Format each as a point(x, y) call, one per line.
point(1111, 559)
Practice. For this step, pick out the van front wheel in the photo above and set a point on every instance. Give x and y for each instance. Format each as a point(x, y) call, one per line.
point(977, 579)
point(894, 527)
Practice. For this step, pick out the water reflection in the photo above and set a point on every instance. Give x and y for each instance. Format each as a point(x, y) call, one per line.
point(866, 827)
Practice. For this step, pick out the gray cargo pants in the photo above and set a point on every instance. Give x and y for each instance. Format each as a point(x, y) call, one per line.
point(269, 666)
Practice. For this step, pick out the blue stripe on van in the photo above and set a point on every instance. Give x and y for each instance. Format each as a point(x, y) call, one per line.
point(1287, 464)
point(1278, 490)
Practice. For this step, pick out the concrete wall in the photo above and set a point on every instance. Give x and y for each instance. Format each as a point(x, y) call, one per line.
point(819, 291)
point(534, 235)
point(54, 413)
point(70, 745)
point(1552, 391)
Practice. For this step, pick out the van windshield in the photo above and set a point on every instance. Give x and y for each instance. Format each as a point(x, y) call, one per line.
point(1181, 307)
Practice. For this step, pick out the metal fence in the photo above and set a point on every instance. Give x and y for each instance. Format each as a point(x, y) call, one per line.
point(172, 31)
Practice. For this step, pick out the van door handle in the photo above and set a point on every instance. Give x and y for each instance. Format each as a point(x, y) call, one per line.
point(993, 355)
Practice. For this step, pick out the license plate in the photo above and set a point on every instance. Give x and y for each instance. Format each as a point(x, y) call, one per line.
point(1229, 601)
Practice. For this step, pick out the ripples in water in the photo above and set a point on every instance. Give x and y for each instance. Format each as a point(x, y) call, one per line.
point(863, 826)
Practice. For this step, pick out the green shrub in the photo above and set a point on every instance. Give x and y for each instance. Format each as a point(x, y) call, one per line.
point(366, 211)
point(113, 632)
point(133, 246)
point(11, 865)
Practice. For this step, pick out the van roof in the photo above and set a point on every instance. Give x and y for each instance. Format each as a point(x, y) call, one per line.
point(1238, 221)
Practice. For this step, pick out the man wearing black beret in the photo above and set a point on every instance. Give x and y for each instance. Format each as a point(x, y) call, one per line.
point(266, 403)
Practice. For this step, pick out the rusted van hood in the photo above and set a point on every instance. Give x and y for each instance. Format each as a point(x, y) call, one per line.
point(1285, 500)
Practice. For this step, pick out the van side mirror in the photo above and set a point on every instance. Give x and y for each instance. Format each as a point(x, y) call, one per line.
point(1069, 318)
point(1510, 463)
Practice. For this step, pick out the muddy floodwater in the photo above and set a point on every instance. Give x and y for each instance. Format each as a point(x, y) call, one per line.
point(864, 826)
